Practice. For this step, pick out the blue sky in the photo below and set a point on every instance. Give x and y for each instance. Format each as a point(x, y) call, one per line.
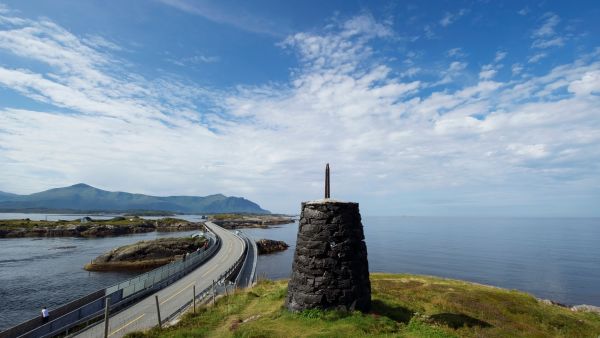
point(482, 108)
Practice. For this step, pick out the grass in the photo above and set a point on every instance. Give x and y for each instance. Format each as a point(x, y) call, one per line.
point(403, 306)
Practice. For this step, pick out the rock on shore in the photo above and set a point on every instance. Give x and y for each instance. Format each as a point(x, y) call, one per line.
point(234, 221)
point(145, 255)
point(586, 308)
point(87, 227)
point(267, 246)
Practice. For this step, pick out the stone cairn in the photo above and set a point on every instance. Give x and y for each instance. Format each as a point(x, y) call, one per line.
point(330, 269)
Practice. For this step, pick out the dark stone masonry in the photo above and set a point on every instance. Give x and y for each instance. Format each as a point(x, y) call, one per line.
point(330, 269)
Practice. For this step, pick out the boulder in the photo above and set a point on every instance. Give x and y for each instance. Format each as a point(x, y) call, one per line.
point(145, 255)
point(267, 246)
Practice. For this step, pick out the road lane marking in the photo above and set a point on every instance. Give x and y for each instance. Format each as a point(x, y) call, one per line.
point(126, 325)
point(210, 270)
point(178, 292)
point(226, 256)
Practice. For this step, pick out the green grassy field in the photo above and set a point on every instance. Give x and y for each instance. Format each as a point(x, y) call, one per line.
point(403, 306)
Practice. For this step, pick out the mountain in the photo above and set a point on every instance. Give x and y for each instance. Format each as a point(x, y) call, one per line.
point(82, 197)
point(6, 196)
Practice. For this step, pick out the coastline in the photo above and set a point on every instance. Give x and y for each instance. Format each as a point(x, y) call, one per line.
point(92, 228)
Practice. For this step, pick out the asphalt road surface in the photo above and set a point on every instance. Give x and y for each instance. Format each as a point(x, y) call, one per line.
point(142, 315)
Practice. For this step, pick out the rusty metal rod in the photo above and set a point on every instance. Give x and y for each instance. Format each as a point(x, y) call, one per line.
point(327, 188)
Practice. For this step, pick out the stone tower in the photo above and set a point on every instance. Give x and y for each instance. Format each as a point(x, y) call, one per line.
point(330, 269)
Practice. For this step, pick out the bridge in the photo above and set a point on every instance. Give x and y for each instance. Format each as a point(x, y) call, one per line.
point(159, 296)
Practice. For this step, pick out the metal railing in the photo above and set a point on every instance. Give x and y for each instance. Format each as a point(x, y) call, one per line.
point(125, 293)
point(247, 275)
point(212, 289)
point(156, 276)
point(255, 250)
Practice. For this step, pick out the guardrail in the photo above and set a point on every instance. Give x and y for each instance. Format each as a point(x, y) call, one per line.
point(120, 295)
point(211, 290)
point(253, 276)
point(244, 278)
point(149, 279)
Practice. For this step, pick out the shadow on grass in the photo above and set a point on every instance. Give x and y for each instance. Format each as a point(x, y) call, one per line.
point(397, 313)
point(456, 321)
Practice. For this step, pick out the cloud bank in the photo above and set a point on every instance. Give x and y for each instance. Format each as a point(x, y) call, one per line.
point(397, 145)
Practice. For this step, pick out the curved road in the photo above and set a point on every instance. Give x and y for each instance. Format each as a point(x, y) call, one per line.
point(143, 314)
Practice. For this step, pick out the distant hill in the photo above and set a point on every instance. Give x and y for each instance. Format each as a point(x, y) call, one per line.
point(6, 196)
point(85, 198)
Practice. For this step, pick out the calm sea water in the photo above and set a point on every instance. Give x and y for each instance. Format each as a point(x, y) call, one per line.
point(558, 259)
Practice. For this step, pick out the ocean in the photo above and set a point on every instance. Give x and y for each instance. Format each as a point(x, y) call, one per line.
point(551, 258)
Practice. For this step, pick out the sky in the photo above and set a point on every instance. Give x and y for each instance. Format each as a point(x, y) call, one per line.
point(423, 108)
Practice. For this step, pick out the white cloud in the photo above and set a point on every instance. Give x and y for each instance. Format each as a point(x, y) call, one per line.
point(456, 52)
point(236, 16)
point(487, 74)
point(365, 25)
point(500, 55)
point(411, 72)
point(516, 69)
point(524, 11)
point(589, 83)
point(454, 70)
point(490, 70)
point(429, 33)
point(194, 60)
point(528, 150)
point(555, 42)
point(342, 105)
point(100, 42)
point(450, 18)
point(537, 57)
point(545, 36)
point(547, 29)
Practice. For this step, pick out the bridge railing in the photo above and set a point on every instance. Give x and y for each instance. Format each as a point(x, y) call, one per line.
point(208, 291)
point(247, 272)
point(255, 252)
point(156, 276)
point(120, 295)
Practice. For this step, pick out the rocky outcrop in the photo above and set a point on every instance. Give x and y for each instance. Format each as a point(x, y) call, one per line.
point(145, 255)
point(330, 269)
point(92, 228)
point(267, 246)
point(233, 221)
point(586, 308)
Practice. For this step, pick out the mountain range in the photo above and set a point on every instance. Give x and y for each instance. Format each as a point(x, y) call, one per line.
point(85, 198)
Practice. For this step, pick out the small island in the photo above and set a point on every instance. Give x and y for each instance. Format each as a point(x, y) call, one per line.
point(235, 221)
point(146, 255)
point(88, 227)
point(267, 246)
